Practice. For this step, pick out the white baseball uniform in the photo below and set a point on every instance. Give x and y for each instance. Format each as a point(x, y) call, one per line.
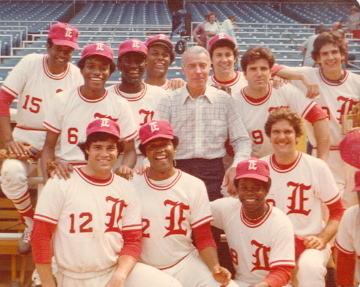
point(90, 216)
point(71, 113)
point(34, 86)
point(235, 84)
point(142, 105)
point(347, 237)
point(256, 246)
point(170, 210)
point(299, 189)
point(254, 112)
point(337, 99)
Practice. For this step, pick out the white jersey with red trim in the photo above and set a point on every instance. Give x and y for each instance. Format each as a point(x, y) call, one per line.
point(71, 113)
point(255, 246)
point(142, 104)
point(347, 237)
point(254, 112)
point(90, 216)
point(299, 189)
point(33, 85)
point(337, 99)
point(235, 84)
point(170, 210)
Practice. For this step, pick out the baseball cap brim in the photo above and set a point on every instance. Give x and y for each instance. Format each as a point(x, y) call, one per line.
point(164, 43)
point(163, 136)
point(66, 43)
point(253, 176)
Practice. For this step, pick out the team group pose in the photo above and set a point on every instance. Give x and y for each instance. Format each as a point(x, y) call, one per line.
point(134, 173)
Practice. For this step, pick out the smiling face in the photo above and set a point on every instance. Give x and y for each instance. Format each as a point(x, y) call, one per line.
point(96, 72)
point(59, 57)
point(252, 194)
point(102, 156)
point(223, 61)
point(158, 60)
point(283, 137)
point(132, 67)
point(330, 59)
point(160, 153)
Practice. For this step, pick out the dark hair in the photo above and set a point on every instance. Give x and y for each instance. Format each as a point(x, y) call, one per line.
point(321, 28)
point(266, 185)
point(100, 136)
point(49, 42)
point(142, 147)
point(255, 53)
point(224, 43)
point(208, 15)
point(172, 53)
point(81, 63)
point(284, 114)
point(327, 38)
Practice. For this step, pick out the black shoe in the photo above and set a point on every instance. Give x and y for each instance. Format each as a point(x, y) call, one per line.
point(24, 247)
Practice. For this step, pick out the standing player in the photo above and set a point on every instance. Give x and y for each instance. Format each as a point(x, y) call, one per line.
point(143, 98)
point(259, 98)
point(260, 236)
point(73, 109)
point(347, 243)
point(160, 56)
point(339, 92)
point(94, 222)
point(175, 206)
point(301, 184)
point(33, 81)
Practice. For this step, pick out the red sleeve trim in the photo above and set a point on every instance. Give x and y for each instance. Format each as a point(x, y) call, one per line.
point(5, 101)
point(316, 113)
point(278, 276)
point(41, 241)
point(345, 268)
point(203, 237)
point(336, 210)
point(132, 243)
point(276, 68)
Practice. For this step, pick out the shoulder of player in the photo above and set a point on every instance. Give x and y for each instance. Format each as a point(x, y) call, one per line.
point(225, 203)
point(217, 94)
point(124, 185)
point(155, 91)
point(351, 214)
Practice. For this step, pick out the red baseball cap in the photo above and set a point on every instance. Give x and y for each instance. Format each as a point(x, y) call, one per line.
point(228, 41)
point(160, 39)
point(253, 168)
point(132, 45)
point(62, 34)
point(103, 125)
point(155, 129)
point(357, 181)
point(98, 49)
point(350, 148)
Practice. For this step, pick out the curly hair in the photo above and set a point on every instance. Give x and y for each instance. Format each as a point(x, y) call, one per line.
point(325, 38)
point(284, 114)
point(255, 53)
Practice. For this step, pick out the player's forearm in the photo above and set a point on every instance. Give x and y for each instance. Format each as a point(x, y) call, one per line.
point(290, 75)
point(329, 230)
point(126, 263)
point(45, 273)
point(129, 158)
point(47, 155)
point(5, 129)
point(322, 137)
point(210, 257)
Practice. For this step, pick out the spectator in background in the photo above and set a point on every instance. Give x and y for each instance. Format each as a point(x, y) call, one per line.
point(199, 33)
point(341, 34)
point(336, 26)
point(354, 22)
point(308, 45)
point(227, 27)
point(211, 27)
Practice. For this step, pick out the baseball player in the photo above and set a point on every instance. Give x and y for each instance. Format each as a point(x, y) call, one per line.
point(160, 56)
point(300, 185)
point(33, 81)
point(259, 98)
point(260, 236)
point(94, 222)
point(339, 92)
point(142, 97)
point(347, 243)
point(73, 109)
point(175, 206)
